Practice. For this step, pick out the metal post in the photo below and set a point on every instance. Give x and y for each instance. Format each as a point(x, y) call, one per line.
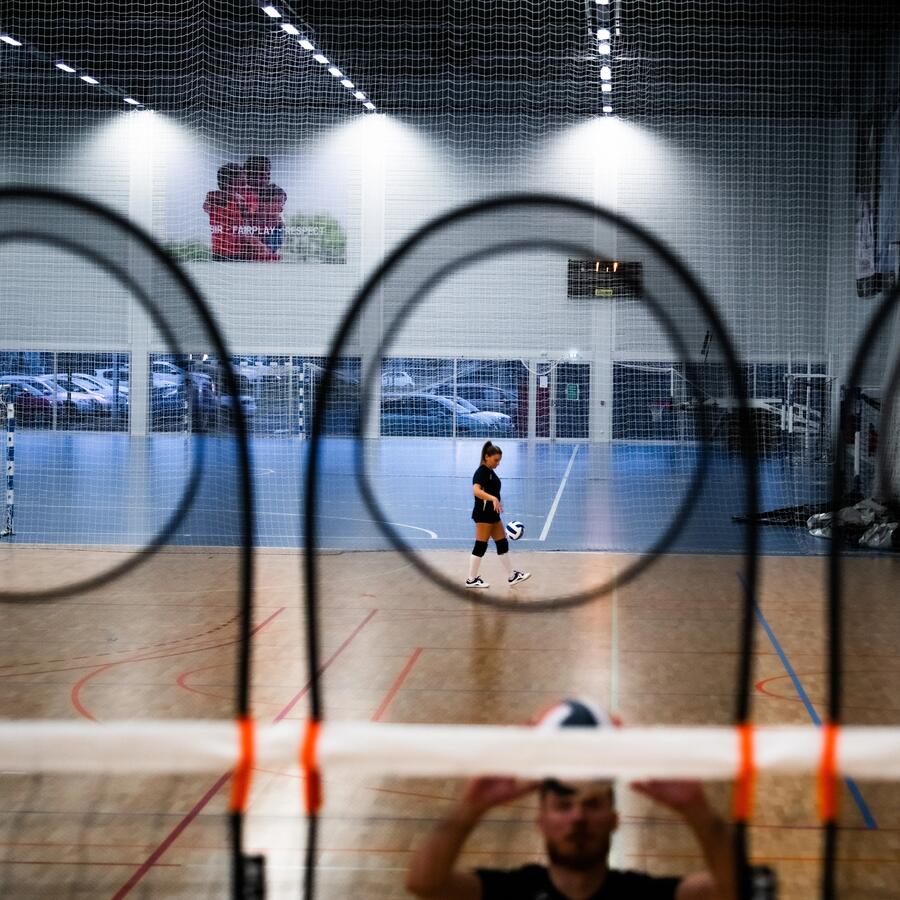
point(455, 393)
point(532, 402)
point(790, 404)
point(9, 519)
point(552, 385)
point(306, 402)
point(187, 389)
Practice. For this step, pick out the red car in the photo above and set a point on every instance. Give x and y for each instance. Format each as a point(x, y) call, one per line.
point(34, 405)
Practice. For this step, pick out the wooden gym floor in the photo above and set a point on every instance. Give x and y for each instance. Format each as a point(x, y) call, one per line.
point(160, 643)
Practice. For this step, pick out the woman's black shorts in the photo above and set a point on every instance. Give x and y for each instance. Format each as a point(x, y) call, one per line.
point(487, 516)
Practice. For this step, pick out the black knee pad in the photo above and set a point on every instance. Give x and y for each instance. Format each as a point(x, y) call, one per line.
point(502, 546)
point(480, 548)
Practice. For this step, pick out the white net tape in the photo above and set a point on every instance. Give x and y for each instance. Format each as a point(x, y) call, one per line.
point(363, 748)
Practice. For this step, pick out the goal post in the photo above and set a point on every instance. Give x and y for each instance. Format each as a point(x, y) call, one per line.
point(9, 505)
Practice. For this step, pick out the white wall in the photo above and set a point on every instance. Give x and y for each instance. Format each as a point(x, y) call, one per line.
point(760, 211)
point(747, 205)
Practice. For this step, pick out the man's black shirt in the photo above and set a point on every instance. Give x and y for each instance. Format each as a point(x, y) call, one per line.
point(533, 883)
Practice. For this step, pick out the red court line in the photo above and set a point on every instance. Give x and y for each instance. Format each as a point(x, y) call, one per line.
point(93, 657)
point(763, 688)
point(302, 692)
point(389, 696)
point(201, 803)
point(84, 845)
point(62, 862)
point(181, 681)
point(75, 694)
point(170, 839)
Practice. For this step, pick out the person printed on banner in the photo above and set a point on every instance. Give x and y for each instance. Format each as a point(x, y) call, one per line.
point(233, 237)
point(269, 200)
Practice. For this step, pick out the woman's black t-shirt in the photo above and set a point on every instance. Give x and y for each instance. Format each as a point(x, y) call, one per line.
point(488, 481)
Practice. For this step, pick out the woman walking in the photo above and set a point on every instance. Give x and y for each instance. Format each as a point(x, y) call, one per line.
point(486, 515)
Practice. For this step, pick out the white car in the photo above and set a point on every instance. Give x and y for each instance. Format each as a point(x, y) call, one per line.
point(97, 385)
point(163, 374)
point(248, 404)
point(77, 395)
point(166, 374)
point(494, 420)
point(397, 381)
point(109, 375)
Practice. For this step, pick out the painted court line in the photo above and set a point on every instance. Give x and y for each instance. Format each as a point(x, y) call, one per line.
point(198, 807)
point(432, 534)
point(398, 683)
point(302, 692)
point(170, 839)
point(75, 693)
point(855, 792)
point(562, 486)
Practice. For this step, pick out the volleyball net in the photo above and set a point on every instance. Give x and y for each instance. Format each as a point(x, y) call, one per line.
point(407, 285)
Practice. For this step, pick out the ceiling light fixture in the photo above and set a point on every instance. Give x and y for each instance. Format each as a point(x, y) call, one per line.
point(273, 12)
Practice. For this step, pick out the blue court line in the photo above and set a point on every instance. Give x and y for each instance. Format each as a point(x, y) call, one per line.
point(855, 792)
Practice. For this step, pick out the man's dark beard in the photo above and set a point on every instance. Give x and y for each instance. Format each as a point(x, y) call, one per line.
point(577, 861)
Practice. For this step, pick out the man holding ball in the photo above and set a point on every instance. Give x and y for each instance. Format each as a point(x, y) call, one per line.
point(576, 821)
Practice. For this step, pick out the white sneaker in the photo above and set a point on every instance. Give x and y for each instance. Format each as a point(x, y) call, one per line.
point(476, 582)
point(518, 576)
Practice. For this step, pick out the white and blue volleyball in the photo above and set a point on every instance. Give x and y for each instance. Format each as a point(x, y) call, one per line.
point(575, 713)
point(514, 530)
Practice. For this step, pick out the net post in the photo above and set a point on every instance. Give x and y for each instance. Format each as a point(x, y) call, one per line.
point(254, 876)
point(9, 514)
point(303, 398)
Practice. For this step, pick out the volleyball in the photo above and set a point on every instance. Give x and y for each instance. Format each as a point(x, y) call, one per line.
point(575, 713)
point(514, 530)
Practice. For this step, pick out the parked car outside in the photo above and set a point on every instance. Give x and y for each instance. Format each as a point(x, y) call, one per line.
point(166, 397)
point(98, 386)
point(78, 403)
point(487, 397)
point(167, 412)
point(76, 407)
point(226, 406)
point(111, 375)
point(430, 415)
point(165, 373)
point(33, 404)
point(500, 422)
point(69, 391)
point(397, 380)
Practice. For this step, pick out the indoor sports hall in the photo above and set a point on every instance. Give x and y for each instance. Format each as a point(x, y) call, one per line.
point(292, 292)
